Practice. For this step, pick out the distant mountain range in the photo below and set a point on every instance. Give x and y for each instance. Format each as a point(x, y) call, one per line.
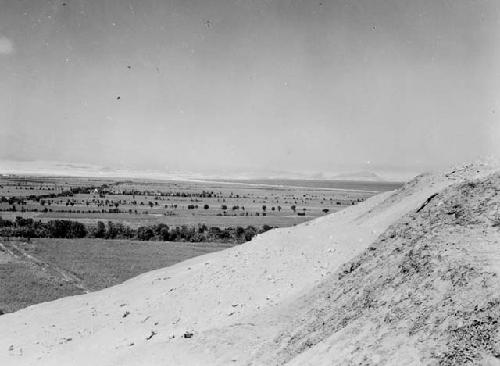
point(50, 168)
point(363, 175)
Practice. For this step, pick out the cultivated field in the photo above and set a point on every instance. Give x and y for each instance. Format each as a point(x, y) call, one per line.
point(46, 269)
point(223, 204)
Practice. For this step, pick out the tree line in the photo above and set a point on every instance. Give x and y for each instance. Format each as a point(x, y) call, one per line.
point(30, 228)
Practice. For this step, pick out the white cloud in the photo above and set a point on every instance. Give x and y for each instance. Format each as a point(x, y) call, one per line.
point(6, 46)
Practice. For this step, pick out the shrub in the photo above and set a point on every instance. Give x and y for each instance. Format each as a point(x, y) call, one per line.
point(266, 228)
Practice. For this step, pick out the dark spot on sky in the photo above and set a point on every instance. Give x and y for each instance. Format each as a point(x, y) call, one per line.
point(118, 98)
point(129, 67)
point(64, 4)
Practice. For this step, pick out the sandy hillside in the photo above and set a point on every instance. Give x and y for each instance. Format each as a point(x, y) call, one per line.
point(408, 277)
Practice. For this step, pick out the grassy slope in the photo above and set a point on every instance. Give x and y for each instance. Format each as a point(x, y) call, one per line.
point(23, 284)
point(67, 267)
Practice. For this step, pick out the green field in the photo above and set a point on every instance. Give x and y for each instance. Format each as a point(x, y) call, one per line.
point(46, 269)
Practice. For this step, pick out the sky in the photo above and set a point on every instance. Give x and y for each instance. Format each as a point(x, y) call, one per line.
point(312, 86)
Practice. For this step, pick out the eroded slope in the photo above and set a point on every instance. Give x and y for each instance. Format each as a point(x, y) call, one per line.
point(426, 292)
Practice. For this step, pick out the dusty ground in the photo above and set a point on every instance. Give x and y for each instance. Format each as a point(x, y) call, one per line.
point(403, 278)
point(426, 292)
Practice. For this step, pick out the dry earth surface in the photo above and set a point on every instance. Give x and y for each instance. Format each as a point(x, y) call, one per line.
point(404, 278)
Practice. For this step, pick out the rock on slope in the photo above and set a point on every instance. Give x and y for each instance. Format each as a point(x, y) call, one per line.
point(404, 278)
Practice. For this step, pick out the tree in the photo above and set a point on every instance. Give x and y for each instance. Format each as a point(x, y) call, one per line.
point(206, 207)
point(112, 231)
point(325, 210)
point(293, 207)
point(250, 232)
point(145, 233)
point(101, 230)
point(162, 232)
point(66, 229)
point(202, 228)
point(240, 231)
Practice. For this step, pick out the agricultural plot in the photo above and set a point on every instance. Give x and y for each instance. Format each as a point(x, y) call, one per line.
point(46, 269)
point(174, 203)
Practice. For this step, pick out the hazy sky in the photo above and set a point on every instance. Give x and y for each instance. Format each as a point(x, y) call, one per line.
point(250, 85)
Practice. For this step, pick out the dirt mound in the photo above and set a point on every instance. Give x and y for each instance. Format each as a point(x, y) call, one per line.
point(426, 292)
